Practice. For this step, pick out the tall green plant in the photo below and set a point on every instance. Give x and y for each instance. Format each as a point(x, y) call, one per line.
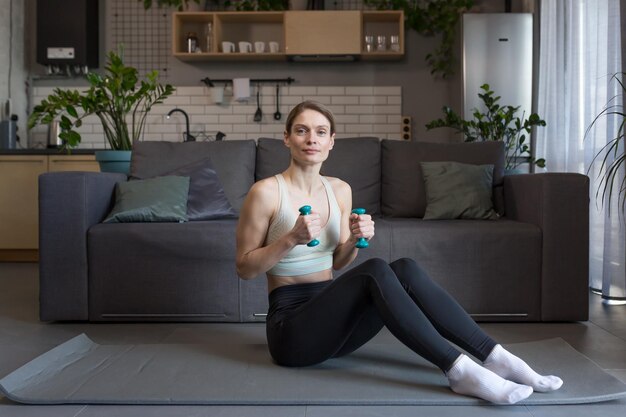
point(119, 99)
point(612, 155)
point(499, 123)
point(431, 18)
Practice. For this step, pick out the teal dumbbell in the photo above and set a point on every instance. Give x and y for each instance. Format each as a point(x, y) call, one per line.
point(362, 242)
point(305, 210)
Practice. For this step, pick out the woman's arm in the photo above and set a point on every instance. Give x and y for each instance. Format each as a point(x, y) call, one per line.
point(352, 226)
point(258, 208)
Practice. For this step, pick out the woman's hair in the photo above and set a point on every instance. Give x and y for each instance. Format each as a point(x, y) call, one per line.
point(310, 105)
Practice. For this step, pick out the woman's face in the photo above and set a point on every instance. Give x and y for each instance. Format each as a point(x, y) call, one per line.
point(310, 139)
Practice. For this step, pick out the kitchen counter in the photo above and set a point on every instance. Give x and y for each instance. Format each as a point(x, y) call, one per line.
point(19, 176)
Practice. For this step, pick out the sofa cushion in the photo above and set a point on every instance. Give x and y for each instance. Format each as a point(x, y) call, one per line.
point(233, 161)
point(458, 191)
point(207, 200)
point(272, 157)
point(161, 199)
point(354, 160)
point(489, 267)
point(403, 190)
point(163, 271)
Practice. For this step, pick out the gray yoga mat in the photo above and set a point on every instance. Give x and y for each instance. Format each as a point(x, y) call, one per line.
point(82, 372)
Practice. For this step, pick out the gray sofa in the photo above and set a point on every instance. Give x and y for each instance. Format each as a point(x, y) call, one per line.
point(531, 264)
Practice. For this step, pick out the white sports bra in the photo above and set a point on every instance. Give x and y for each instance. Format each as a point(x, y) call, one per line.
point(302, 260)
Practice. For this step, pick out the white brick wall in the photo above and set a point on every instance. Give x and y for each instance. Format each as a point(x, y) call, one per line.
point(359, 111)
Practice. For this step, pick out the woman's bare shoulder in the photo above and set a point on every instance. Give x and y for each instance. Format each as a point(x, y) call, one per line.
point(339, 185)
point(262, 195)
point(342, 190)
point(264, 188)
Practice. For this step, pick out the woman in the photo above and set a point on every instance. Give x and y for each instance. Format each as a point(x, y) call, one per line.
point(312, 317)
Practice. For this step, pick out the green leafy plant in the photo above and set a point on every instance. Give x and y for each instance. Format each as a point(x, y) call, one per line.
point(118, 99)
point(431, 18)
point(499, 123)
point(611, 157)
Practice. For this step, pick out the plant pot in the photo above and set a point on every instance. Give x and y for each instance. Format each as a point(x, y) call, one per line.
point(515, 171)
point(114, 161)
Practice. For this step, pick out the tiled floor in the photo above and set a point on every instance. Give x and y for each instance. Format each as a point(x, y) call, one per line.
point(23, 337)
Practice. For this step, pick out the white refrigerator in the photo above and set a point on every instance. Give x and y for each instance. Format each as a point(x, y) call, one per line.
point(498, 50)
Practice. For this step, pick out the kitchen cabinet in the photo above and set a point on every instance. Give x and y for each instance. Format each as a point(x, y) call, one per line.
point(323, 33)
point(315, 34)
point(19, 199)
point(58, 163)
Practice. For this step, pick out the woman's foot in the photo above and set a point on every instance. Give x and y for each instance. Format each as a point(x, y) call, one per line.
point(469, 378)
point(509, 366)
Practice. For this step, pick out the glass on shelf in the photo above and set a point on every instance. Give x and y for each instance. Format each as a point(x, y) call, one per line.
point(369, 43)
point(208, 36)
point(395, 43)
point(381, 43)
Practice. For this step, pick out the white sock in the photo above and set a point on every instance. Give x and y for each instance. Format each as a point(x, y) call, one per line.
point(469, 378)
point(509, 366)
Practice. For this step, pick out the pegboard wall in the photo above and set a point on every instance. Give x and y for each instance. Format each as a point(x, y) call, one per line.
point(145, 35)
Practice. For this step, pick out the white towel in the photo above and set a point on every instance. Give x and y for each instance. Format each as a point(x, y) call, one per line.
point(241, 89)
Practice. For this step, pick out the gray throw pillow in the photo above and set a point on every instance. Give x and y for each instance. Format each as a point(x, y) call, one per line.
point(161, 199)
point(207, 200)
point(234, 162)
point(458, 191)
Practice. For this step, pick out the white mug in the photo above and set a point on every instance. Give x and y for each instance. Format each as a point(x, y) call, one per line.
point(228, 47)
point(273, 47)
point(259, 47)
point(245, 47)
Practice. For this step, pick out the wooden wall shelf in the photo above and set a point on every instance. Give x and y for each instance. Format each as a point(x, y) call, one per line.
point(298, 33)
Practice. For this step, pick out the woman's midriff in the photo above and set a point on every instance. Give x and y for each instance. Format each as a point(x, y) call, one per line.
point(275, 281)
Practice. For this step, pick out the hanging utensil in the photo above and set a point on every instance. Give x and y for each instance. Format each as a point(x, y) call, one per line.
point(277, 115)
point(258, 116)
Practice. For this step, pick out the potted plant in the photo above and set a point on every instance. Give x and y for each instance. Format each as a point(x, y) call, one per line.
point(612, 157)
point(118, 98)
point(499, 123)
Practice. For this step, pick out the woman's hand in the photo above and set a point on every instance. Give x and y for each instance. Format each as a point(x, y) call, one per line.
point(307, 228)
point(361, 225)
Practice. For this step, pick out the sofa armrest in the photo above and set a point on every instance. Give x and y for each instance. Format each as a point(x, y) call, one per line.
point(69, 204)
point(558, 203)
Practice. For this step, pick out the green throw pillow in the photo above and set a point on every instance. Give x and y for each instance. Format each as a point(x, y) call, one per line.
point(161, 199)
point(458, 191)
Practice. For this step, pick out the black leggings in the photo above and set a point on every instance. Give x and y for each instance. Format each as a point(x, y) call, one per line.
point(309, 323)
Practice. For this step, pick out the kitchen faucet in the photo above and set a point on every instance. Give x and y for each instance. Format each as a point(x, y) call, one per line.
point(188, 137)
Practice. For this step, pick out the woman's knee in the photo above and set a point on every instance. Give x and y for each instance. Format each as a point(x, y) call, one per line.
point(378, 271)
point(408, 269)
point(406, 265)
point(377, 267)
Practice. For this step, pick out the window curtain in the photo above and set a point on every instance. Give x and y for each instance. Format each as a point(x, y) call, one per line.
point(580, 51)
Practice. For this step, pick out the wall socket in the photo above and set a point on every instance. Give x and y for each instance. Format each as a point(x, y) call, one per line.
point(406, 127)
